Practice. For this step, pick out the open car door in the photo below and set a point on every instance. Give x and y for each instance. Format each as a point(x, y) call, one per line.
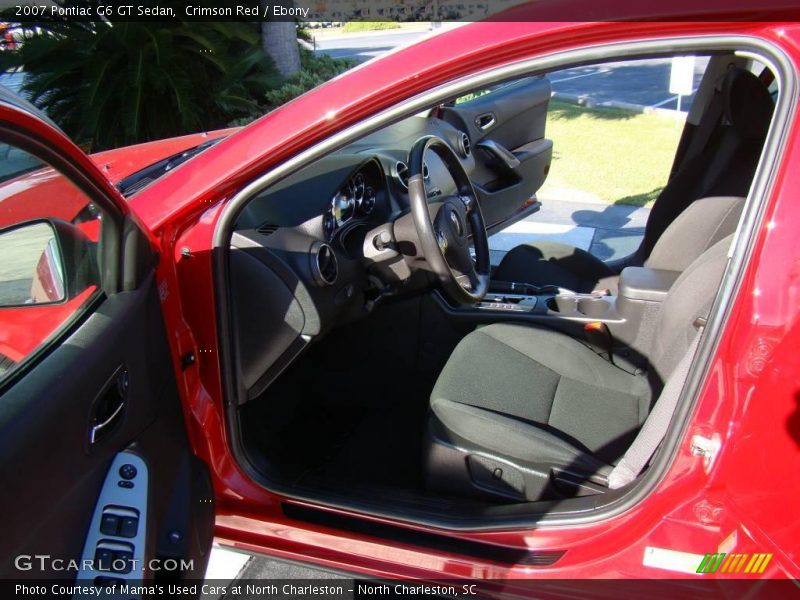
point(100, 484)
point(506, 129)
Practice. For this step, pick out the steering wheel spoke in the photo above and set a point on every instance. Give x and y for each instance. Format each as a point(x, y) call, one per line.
point(443, 228)
point(469, 280)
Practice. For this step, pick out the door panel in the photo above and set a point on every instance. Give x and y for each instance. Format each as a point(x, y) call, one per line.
point(56, 474)
point(90, 386)
point(506, 127)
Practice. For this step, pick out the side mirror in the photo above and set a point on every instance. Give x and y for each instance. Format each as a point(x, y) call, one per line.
point(45, 262)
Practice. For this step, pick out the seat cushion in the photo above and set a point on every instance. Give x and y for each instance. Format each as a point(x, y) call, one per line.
point(530, 393)
point(552, 263)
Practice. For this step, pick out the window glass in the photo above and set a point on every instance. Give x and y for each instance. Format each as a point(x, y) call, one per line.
point(49, 273)
point(615, 128)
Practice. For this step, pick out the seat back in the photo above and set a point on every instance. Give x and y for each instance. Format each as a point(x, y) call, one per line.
point(725, 166)
point(695, 230)
point(689, 297)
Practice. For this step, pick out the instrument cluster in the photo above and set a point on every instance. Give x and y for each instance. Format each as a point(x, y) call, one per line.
point(355, 200)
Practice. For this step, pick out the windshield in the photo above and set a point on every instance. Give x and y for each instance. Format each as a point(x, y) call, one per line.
point(15, 162)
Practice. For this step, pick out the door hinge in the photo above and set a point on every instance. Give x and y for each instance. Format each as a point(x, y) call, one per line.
point(706, 447)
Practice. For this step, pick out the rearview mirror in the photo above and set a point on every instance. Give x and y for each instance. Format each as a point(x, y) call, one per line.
point(44, 262)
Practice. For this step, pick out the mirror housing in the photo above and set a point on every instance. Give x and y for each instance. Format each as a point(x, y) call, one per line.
point(46, 261)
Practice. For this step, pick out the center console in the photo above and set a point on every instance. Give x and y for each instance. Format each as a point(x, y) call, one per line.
point(563, 305)
point(630, 315)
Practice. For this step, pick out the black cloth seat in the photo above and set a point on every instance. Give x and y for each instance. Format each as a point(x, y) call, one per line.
point(515, 404)
point(724, 167)
point(552, 385)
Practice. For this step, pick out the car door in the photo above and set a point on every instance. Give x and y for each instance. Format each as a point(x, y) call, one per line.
point(99, 480)
point(505, 126)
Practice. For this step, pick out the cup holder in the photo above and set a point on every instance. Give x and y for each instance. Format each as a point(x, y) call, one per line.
point(588, 306)
point(562, 303)
point(592, 307)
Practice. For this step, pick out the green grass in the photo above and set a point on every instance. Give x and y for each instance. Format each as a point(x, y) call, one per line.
point(470, 97)
point(618, 156)
point(352, 26)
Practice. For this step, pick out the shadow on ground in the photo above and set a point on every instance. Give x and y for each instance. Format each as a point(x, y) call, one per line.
point(640, 200)
point(616, 233)
point(610, 216)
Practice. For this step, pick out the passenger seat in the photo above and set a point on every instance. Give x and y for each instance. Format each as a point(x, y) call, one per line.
point(724, 166)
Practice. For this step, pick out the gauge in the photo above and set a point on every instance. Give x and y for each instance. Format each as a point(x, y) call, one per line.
point(343, 207)
point(358, 183)
point(367, 201)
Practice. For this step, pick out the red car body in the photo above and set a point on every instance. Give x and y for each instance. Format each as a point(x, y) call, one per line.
point(750, 400)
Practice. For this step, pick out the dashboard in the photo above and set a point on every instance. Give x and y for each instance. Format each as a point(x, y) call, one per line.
point(331, 241)
point(365, 182)
point(305, 253)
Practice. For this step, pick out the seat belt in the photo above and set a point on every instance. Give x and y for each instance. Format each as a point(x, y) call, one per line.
point(655, 426)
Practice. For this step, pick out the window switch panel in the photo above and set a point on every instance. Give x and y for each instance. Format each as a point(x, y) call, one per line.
point(114, 549)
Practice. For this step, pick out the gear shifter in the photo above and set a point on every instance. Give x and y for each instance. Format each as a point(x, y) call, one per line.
point(526, 289)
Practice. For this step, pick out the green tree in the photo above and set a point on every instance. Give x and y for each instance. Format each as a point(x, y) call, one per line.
point(112, 84)
point(279, 40)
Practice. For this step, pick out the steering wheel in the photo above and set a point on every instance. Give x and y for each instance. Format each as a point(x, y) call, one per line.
point(442, 226)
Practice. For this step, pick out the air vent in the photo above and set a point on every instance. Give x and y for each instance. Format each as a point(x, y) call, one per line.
point(267, 229)
point(464, 145)
point(402, 173)
point(324, 265)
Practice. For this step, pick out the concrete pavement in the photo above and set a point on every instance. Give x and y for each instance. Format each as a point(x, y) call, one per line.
point(608, 231)
point(640, 82)
point(366, 45)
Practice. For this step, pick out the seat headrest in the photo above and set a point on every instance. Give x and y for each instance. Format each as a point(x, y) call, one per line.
point(748, 104)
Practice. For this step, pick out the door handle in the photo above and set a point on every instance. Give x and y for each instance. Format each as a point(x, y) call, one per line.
point(98, 429)
point(108, 408)
point(485, 121)
point(501, 153)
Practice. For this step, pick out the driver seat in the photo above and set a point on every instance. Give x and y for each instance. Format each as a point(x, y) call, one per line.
point(528, 413)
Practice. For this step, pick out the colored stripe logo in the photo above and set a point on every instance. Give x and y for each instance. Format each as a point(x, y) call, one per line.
point(734, 563)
